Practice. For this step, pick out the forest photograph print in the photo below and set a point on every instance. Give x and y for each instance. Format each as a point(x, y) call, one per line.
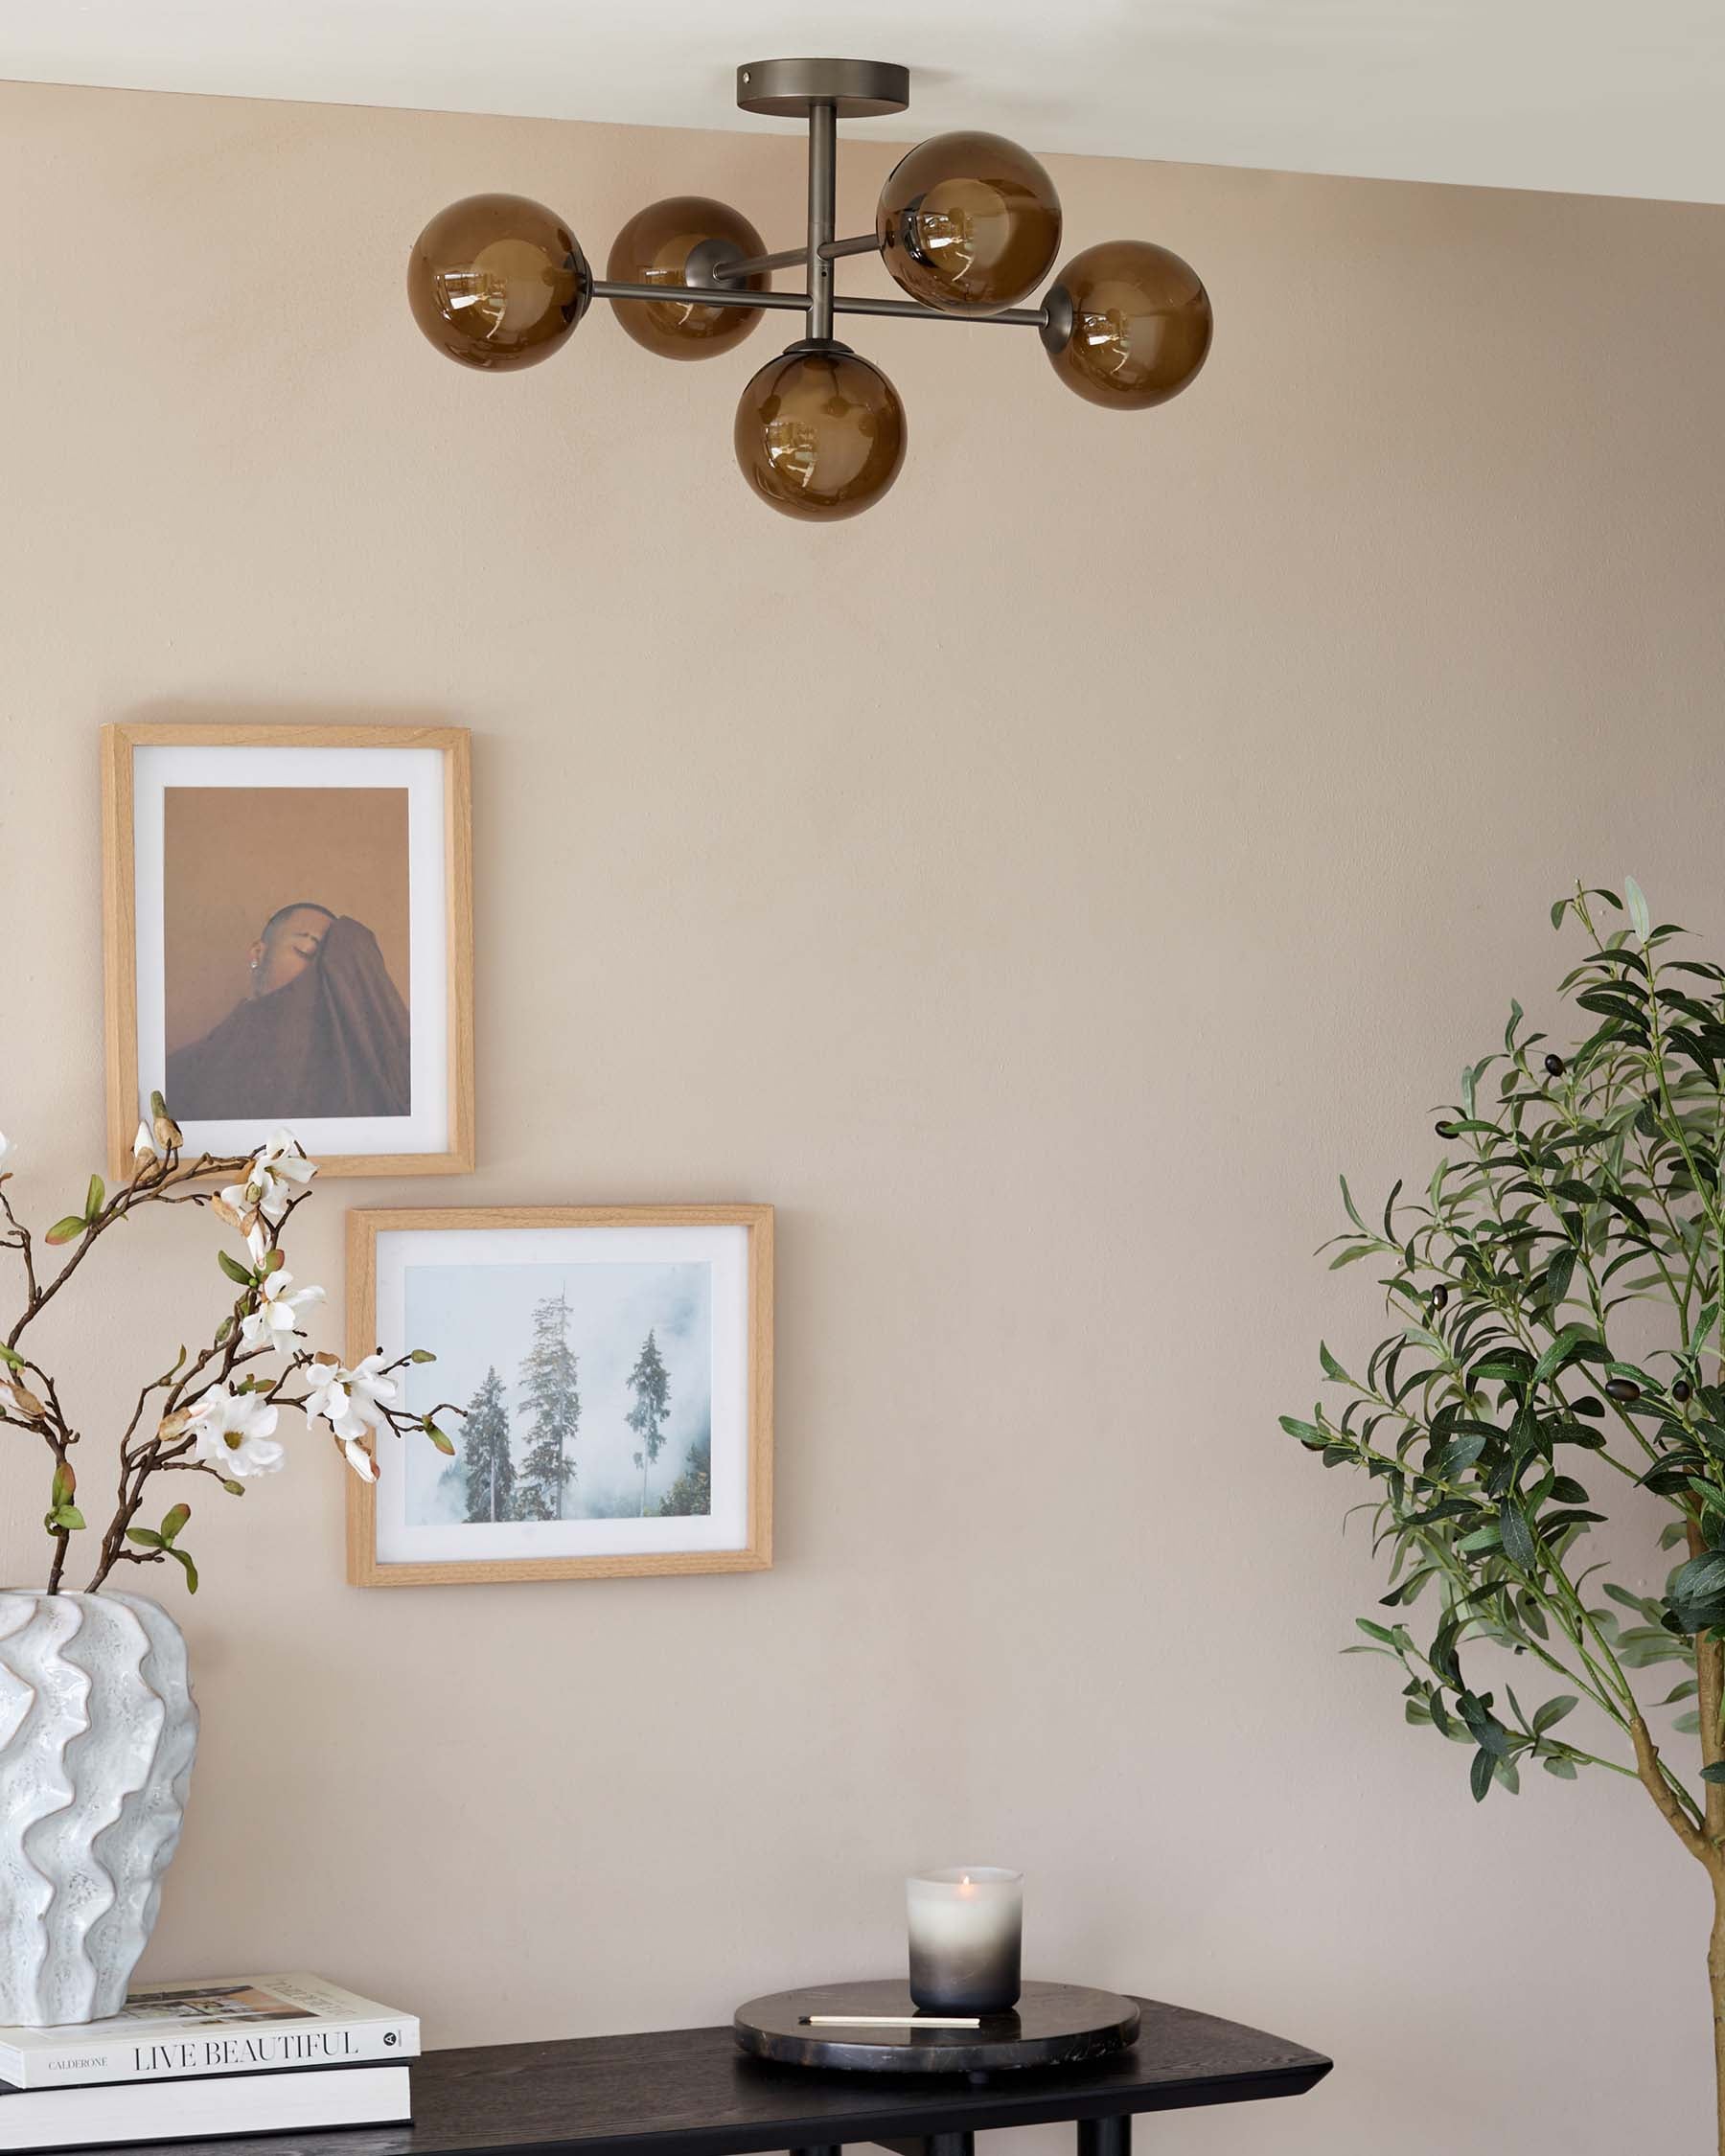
point(587, 1392)
point(288, 940)
point(601, 1389)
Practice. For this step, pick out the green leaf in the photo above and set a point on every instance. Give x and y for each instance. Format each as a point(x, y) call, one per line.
point(422, 1355)
point(1714, 1773)
point(1559, 907)
point(92, 1198)
point(1563, 1769)
point(188, 1567)
point(1638, 907)
point(1560, 1350)
point(1479, 1775)
point(1331, 1367)
point(445, 1444)
point(1308, 1433)
point(66, 1516)
point(66, 1230)
point(1554, 1710)
point(11, 1356)
point(234, 1269)
point(64, 1485)
point(1518, 1541)
point(145, 1537)
point(1696, 1592)
point(175, 1521)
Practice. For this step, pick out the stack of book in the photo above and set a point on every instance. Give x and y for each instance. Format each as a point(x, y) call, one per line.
point(200, 2062)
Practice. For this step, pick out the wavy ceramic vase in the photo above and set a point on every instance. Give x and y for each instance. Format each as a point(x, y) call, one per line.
point(96, 1735)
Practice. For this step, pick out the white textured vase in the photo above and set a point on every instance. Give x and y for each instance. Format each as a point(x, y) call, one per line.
point(96, 1734)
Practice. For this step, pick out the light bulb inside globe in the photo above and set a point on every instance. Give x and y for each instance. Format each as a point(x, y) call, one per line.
point(968, 223)
point(662, 245)
point(1129, 325)
point(497, 282)
point(819, 432)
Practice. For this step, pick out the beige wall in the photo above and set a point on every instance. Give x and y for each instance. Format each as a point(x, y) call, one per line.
point(1038, 889)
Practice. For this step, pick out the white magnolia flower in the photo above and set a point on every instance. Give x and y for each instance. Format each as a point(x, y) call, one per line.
point(347, 1400)
point(268, 1189)
point(144, 1145)
point(359, 1459)
point(258, 1244)
point(233, 1433)
point(276, 1319)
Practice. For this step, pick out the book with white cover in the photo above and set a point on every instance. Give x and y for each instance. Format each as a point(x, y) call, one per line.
point(236, 2025)
point(231, 2103)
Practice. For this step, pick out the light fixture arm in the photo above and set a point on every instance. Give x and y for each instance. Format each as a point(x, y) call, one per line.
point(792, 258)
point(723, 296)
point(823, 183)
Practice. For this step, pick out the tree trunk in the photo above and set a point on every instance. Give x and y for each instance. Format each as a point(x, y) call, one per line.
point(1715, 1983)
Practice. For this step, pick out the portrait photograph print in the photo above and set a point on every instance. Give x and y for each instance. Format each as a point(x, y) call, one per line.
point(602, 1391)
point(289, 940)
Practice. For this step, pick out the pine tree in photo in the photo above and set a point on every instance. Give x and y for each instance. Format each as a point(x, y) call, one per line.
point(487, 1461)
point(549, 1394)
point(692, 1492)
point(651, 1384)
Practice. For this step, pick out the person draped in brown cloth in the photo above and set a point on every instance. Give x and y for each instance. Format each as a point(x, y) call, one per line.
point(323, 1032)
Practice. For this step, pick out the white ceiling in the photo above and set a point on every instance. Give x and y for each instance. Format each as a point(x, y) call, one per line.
point(1619, 97)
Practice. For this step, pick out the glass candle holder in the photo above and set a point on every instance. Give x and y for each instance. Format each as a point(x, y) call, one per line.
point(966, 1929)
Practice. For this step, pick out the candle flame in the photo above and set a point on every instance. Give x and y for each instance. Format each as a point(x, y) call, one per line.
point(965, 1884)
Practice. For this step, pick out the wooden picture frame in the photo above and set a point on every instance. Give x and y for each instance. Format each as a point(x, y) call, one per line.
point(738, 1523)
point(435, 889)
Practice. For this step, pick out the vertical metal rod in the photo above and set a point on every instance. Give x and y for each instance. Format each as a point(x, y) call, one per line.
point(823, 164)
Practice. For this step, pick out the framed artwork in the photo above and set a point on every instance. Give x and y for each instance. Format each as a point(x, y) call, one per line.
point(287, 923)
point(605, 1373)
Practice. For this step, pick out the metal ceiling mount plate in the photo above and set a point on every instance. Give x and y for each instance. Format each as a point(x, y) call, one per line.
point(786, 89)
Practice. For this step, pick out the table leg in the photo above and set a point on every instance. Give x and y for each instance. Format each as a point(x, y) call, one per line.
point(1105, 2136)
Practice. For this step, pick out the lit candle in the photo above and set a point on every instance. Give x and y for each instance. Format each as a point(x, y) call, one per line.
point(966, 1924)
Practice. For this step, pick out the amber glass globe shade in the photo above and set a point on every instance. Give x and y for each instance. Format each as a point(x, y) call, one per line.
point(969, 223)
point(1140, 323)
point(820, 433)
point(497, 282)
point(654, 248)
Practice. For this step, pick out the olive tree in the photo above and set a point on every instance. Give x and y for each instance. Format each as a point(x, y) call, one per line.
point(1555, 1295)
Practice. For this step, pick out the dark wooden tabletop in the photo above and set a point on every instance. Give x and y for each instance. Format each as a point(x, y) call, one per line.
point(690, 2092)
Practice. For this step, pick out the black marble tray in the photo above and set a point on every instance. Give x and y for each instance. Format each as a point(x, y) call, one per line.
point(1052, 2025)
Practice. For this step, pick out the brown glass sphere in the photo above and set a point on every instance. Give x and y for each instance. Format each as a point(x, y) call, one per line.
point(654, 248)
point(968, 223)
point(1140, 323)
point(497, 281)
point(820, 433)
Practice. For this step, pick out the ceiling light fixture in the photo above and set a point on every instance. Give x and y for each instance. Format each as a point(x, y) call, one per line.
point(968, 225)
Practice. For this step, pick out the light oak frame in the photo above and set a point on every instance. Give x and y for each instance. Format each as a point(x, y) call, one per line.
point(119, 922)
point(364, 1227)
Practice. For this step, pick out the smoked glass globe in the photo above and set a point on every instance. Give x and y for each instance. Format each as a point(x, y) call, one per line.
point(820, 433)
point(968, 223)
point(1139, 323)
point(497, 282)
point(655, 247)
